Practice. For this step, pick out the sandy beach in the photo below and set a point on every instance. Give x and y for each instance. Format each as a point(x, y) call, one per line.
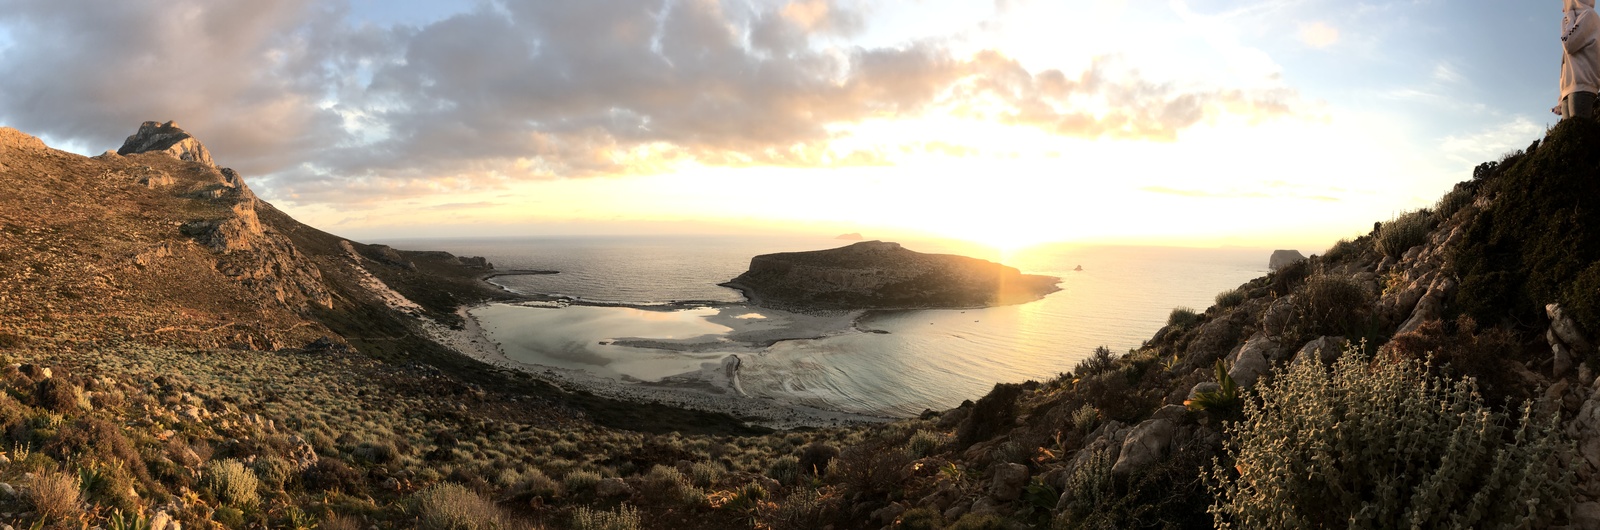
point(714, 388)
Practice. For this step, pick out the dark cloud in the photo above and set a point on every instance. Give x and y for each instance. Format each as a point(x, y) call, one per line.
point(327, 110)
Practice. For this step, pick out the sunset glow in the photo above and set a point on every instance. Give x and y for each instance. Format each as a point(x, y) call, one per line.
point(1008, 124)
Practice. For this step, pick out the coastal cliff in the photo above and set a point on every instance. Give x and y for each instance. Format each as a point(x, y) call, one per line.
point(882, 275)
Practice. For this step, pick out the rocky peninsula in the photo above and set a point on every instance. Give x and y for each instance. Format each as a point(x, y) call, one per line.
point(883, 275)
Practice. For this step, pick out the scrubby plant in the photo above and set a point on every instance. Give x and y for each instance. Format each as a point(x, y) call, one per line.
point(1230, 298)
point(1085, 419)
point(816, 457)
point(450, 506)
point(1403, 232)
point(1330, 304)
point(580, 482)
point(1096, 363)
point(923, 443)
point(1182, 317)
point(1344, 249)
point(1459, 197)
point(274, 472)
point(623, 518)
point(1224, 402)
point(785, 470)
point(232, 482)
point(55, 495)
point(668, 484)
point(1386, 445)
point(805, 509)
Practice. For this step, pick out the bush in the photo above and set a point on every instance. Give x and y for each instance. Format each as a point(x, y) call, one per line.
point(1344, 249)
point(1385, 445)
point(580, 482)
point(1328, 304)
point(785, 470)
point(1403, 232)
point(668, 484)
point(1097, 363)
point(232, 482)
point(923, 443)
point(1182, 317)
point(274, 472)
point(625, 518)
point(1229, 298)
point(814, 459)
point(1459, 197)
point(55, 495)
point(450, 506)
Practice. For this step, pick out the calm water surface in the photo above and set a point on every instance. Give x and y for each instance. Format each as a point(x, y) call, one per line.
point(929, 359)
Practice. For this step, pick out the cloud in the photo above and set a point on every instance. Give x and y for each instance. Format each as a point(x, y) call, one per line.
point(321, 109)
point(1319, 35)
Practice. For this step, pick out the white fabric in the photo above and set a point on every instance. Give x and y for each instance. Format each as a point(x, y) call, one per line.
point(1580, 58)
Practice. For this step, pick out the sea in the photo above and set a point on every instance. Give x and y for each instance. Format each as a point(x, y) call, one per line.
point(1111, 296)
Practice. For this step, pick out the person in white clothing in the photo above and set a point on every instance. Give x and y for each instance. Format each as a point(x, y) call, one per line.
point(1580, 59)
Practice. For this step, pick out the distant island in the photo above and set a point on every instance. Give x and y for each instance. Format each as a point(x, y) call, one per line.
point(853, 236)
point(1284, 258)
point(883, 275)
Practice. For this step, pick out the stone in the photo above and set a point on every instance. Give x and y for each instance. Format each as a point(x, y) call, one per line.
point(1009, 479)
point(1567, 330)
point(166, 138)
point(1251, 362)
point(613, 487)
point(1586, 515)
point(1147, 442)
point(1203, 387)
point(1560, 356)
point(1284, 258)
point(1324, 350)
point(888, 514)
point(162, 521)
point(1275, 320)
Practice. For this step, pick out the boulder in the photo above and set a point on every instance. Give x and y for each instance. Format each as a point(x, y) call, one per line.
point(1567, 330)
point(1284, 258)
point(1009, 479)
point(1145, 444)
point(613, 487)
point(1252, 360)
point(169, 139)
point(1586, 515)
point(1324, 350)
point(888, 514)
point(1275, 320)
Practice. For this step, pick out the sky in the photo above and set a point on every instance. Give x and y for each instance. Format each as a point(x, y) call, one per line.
point(1260, 123)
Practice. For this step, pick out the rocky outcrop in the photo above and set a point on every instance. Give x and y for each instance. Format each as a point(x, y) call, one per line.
point(880, 275)
point(166, 138)
point(1284, 258)
point(18, 140)
point(853, 236)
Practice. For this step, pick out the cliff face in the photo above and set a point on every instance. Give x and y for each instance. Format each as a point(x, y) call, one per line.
point(157, 244)
point(880, 275)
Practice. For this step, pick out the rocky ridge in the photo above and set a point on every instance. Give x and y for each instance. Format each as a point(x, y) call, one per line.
point(882, 275)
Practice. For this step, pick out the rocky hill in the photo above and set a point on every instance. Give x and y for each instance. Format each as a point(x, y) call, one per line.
point(1439, 371)
point(880, 275)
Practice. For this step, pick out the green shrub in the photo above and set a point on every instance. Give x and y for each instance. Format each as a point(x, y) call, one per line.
point(624, 518)
point(274, 472)
point(1403, 232)
point(232, 482)
point(923, 443)
point(1223, 402)
point(451, 506)
point(1182, 317)
point(580, 482)
point(666, 483)
point(1085, 419)
point(1459, 197)
point(55, 495)
point(704, 474)
point(1385, 445)
point(1328, 304)
point(1096, 363)
point(1344, 249)
point(1229, 298)
point(785, 470)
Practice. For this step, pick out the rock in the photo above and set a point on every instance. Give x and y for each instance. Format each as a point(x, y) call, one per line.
point(388, 255)
point(1324, 350)
point(987, 506)
point(162, 521)
point(1147, 442)
point(1202, 387)
point(1172, 413)
point(888, 514)
point(476, 262)
point(391, 484)
point(1586, 515)
point(169, 139)
point(1284, 258)
point(12, 139)
point(881, 275)
point(1561, 357)
point(942, 498)
point(853, 236)
point(1009, 479)
point(1275, 320)
point(1251, 362)
point(613, 487)
point(1567, 330)
point(8, 490)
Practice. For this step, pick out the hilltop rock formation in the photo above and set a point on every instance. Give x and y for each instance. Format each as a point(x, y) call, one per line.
point(1284, 258)
point(169, 138)
point(15, 139)
point(881, 275)
point(853, 236)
